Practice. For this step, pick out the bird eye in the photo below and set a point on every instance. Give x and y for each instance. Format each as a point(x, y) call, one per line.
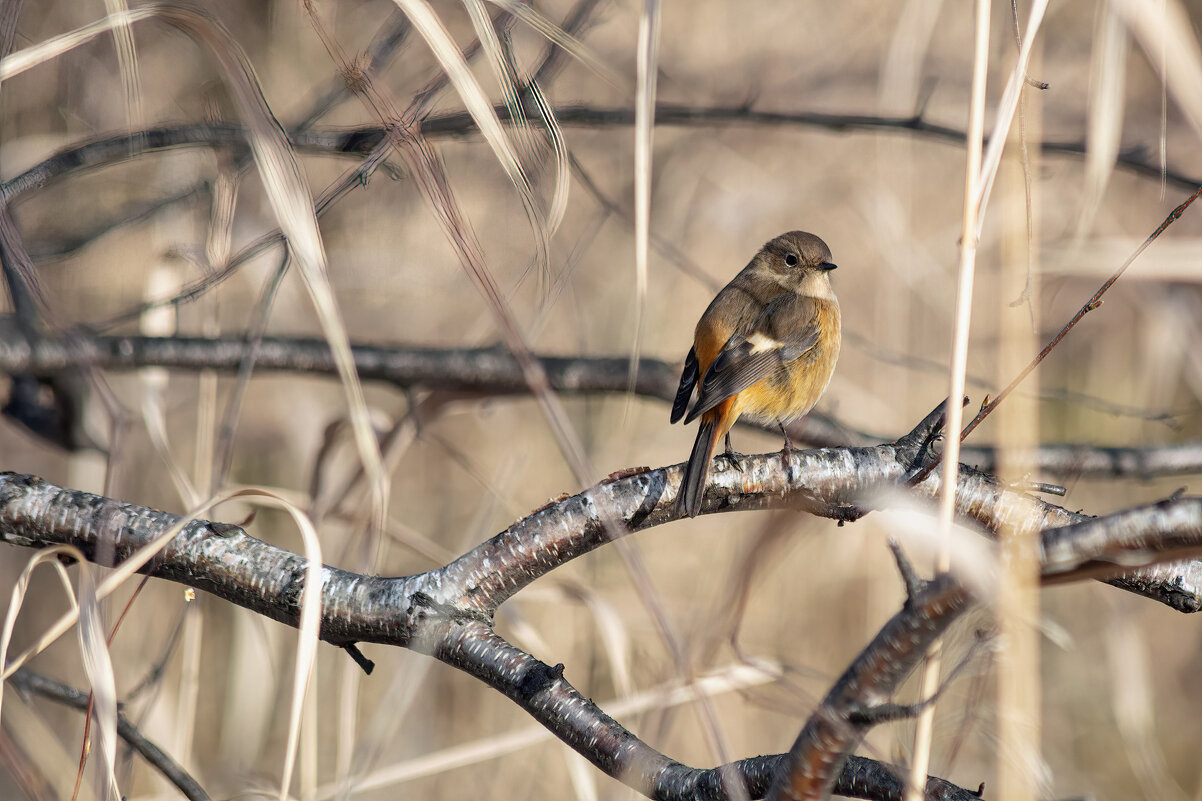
point(790, 259)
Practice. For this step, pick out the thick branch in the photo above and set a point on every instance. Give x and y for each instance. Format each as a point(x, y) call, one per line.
point(543, 691)
point(231, 564)
point(425, 612)
point(1098, 547)
point(1107, 546)
point(447, 612)
point(834, 482)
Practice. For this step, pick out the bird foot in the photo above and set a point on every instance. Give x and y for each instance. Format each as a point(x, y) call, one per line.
point(734, 459)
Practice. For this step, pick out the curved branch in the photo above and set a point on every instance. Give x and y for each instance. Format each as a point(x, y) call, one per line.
point(226, 561)
point(425, 612)
point(1105, 546)
point(492, 371)
point(447, 612)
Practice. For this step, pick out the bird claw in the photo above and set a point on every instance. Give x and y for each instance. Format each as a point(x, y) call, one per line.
point(734, 459)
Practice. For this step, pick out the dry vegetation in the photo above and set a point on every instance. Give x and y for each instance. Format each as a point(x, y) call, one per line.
point(211, 683)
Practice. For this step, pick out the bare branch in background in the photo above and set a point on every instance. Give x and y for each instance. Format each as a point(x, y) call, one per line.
point(29, 682)
point(492, 371)
point(117, 148)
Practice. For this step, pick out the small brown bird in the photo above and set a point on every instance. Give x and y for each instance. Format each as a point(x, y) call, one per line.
point(765, 348)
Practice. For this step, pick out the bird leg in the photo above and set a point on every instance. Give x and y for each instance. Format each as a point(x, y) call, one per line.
point(733, 458)
point(788, 446)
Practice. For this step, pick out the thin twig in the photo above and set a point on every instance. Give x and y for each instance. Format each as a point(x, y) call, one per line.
point(1090, 305)
point(31, 682)
point(113, 149)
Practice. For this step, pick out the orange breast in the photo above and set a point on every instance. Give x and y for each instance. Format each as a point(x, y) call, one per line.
point(794, 388)
point(788, 393)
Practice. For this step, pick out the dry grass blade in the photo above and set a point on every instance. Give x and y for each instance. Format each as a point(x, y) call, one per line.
point(582, 775)
point(21, 587)
point(98, 665)
point(1107, 84)
point(563, 170)
point(288, 193)
point(310, 606)
point(615, 636)
point(1166, 34)
point(502, 62)
point(1094, 302)
point(554, 133)
point(305, 665)
point(644, 127)
point(733, 678)
point(565, 41)
point(54, 47)
point(1132, 699)
point(283, 181)
point(161, 322)
point(1021, 772)
point(1024, 156)
point(112, 581)
point(972, 559)
point(1007, 108)
point(426, 170)
point(491, 44)
point(427, 23)
point(974, 185)
point(127, 57)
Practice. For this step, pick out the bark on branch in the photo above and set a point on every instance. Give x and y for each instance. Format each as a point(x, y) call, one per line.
point(448, 612)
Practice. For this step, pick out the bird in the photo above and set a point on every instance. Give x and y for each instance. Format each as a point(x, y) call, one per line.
point(765, 349)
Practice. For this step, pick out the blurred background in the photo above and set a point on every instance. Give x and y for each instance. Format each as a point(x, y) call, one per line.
point(210, 683)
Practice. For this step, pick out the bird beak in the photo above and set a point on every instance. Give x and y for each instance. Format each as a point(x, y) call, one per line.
point(826, 265)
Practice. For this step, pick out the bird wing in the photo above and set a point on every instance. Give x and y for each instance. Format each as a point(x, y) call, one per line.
point(784, 332)
point(688, 380)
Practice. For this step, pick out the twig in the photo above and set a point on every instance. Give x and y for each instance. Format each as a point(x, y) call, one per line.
point(1093, 303)
point(388, 39)
point(575, 23)
point(30, 682)
point(113, 149)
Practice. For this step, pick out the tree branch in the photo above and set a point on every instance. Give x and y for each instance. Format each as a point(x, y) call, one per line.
point(484, 371)
point(818, 755)
point(29, 682)
point(448, 612)
point(1095, 548)
point(493, 371)
point(116, 148)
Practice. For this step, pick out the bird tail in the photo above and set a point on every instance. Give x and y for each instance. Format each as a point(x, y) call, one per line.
point(692, 486)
